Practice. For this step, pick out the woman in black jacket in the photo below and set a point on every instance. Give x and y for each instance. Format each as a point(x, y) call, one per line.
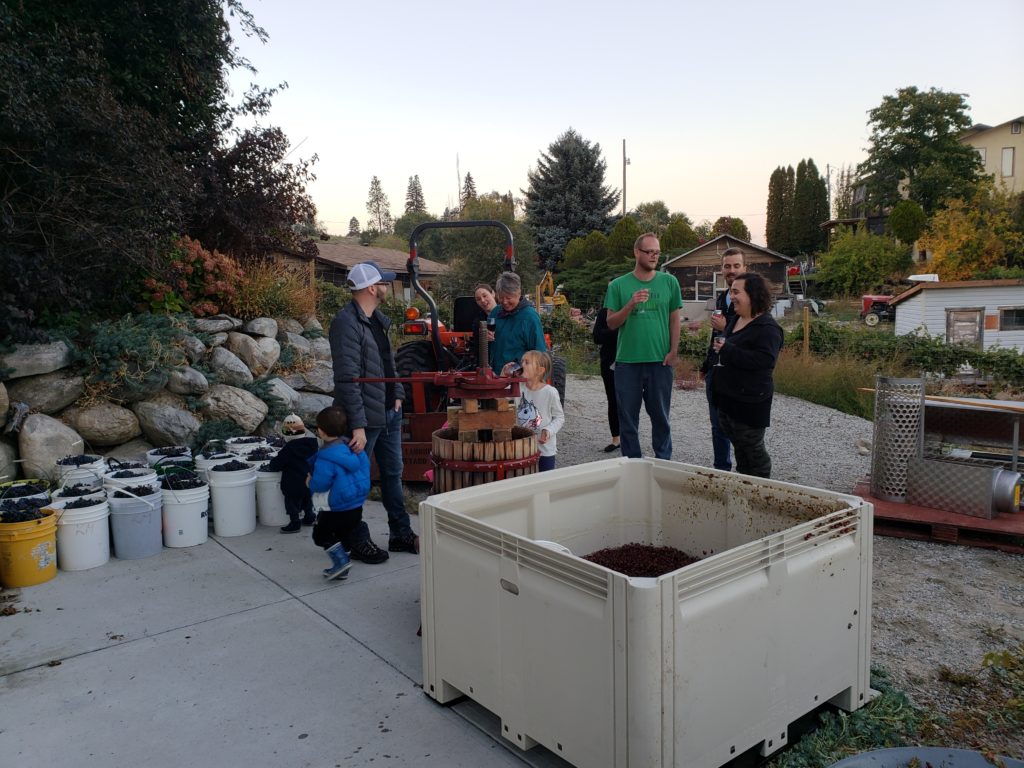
point(743, 385)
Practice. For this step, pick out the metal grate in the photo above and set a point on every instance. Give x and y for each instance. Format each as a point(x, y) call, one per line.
point(899, 417)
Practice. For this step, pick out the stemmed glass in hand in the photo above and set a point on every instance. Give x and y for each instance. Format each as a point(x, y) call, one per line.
point(641, 306)
point(717, 340)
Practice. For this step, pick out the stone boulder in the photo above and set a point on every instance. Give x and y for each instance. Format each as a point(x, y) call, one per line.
point(47, 392)
point(165, 420)
point(319, 378)
point(238, 405)
point(228, 368)
point(286, 393)
point(187, 381)
point(133, 450)
point(42, 441)
point(289, 324)
point(218, 339)
point(216, 324)
point(34, 359)
point(194, 348)
point(260, 355)
point(8, 467)
point(103, 424)
point(312, 324)
point(5, 404)
point(321, 348)
point(261, 326)
point(300, 344)
point(310, 404)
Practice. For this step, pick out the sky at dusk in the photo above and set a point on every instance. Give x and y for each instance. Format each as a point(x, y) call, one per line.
point(710, 97)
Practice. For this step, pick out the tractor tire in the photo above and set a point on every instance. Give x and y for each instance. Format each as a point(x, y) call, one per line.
point(558, 377)
point(416, 357)
point(871, 319)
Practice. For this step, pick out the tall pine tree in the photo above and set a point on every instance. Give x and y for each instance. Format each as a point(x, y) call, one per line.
point(378, 207)
point(353, 227)
point(567, 196)
point(414, 202)
point(776, 223)
point(810, 209)
point(468, 190)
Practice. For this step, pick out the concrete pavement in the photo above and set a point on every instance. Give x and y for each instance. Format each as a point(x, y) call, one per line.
point(232, 653)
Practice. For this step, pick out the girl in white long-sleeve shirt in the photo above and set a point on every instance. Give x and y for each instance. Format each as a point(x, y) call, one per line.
point(540, 409)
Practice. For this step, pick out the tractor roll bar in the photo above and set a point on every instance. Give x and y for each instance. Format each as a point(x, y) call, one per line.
point(413, 268)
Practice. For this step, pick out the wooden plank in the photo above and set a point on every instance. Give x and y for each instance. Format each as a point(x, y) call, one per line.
point(503, 404)
point(487, 420)
point(503, 436)
point(470, 405)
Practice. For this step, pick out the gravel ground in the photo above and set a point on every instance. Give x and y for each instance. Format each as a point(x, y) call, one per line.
point(934, 605)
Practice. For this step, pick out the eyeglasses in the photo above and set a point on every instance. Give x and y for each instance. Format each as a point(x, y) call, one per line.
point(651, 252)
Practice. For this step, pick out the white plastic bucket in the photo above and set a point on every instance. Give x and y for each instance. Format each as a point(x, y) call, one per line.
point(139, 477)
point(203, 463)
point(185, 516)
point(269, 499)
point(156, 459)
point(135, 524)
point(83, 537)
point(233, 500)
point(91, 472)
point(243, 449)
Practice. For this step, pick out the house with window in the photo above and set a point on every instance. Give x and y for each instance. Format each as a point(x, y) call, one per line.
point(1000, 148)
point(699, 271)
point(987, 313)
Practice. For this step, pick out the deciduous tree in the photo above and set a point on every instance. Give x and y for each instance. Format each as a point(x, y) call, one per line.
point(915, 140)
point(730, 225)
point(907, 221)
point(856, 263)
point(567, 196)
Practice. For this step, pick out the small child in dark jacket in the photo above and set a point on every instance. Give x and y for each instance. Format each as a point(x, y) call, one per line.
point(292, 462)
point(343, 478)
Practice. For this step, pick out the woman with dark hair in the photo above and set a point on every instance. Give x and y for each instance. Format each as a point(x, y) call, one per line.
point(742, 383)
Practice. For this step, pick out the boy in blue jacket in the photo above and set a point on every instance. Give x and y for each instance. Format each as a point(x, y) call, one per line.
point(343, 477)
point(292, 462)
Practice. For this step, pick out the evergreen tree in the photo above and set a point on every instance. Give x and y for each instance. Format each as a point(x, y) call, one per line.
point(414, 202)
point(468, 190)
point(915, 139)
point(353, 227)
point(842, 196)
point(567, 196)
point(379, 208)
point(678, 236)
point(776, 220)
point(810, 210)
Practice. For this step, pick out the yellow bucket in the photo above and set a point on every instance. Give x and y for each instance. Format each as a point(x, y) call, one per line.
point(28, 551)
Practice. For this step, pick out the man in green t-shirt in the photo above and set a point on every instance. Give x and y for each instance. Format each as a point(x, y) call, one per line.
point(644, 305)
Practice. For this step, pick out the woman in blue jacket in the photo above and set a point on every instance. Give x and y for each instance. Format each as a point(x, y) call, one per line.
point(517, 327)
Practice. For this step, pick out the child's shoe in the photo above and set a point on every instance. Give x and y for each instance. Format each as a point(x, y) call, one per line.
point(293, 526)
point(309, 518)
point(340, 563)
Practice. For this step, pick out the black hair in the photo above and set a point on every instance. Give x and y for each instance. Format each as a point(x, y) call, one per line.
point(333, 421)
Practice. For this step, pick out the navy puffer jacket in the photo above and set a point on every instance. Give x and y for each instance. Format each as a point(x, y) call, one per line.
point(356, 356)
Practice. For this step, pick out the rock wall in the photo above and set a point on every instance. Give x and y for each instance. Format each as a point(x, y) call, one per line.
point(47, 413)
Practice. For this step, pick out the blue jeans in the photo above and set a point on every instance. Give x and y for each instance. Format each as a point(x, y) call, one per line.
point(650, 384)
point(719, 442)
point(385, 445)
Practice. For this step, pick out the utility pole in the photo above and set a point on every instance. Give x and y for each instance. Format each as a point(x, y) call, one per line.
point(625, 162)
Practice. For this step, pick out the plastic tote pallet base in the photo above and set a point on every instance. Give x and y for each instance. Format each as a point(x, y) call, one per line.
point(689, 669)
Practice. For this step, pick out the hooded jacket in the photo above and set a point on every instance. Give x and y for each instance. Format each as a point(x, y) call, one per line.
point(344, 475)
point(292, 462)
point(356, 356)
point(515, 332)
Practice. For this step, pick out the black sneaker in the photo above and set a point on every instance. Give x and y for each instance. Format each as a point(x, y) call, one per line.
point(368, 552)
point(408, 543)
point(309, 519)
point(293, 527)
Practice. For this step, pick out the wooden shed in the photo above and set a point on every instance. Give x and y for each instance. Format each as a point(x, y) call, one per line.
point(699, 271)
point(988, 313)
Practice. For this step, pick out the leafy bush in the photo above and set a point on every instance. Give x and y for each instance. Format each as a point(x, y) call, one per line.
point(563, 328)
point(122, 355)
point(194, 279)
point(269, 289)
point(859, 262)
point(329, 299)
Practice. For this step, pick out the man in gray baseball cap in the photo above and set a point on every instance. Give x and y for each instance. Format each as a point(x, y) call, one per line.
point(360, 349)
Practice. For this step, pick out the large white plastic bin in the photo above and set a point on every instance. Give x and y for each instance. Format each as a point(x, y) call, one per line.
point(688, 669)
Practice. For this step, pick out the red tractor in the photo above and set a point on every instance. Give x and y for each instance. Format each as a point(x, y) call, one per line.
point(874, 308)
point(447, 363)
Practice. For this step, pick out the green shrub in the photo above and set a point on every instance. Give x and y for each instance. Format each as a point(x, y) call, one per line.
point(122, 355)
point(329, 299)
